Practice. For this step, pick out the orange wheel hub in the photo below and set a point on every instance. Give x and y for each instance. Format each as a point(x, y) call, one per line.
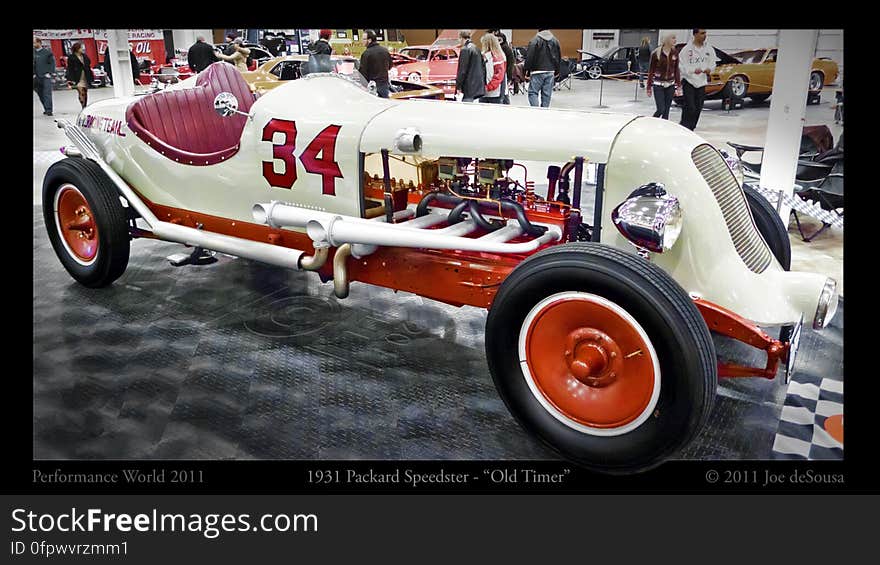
point(76, 224)
point(591, 361)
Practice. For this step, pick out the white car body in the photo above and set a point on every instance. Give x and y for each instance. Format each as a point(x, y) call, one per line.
point(635, 150)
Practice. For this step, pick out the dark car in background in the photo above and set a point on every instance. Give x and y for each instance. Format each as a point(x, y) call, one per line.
point(615, 61)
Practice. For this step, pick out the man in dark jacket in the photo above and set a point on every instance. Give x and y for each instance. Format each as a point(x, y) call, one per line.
point(471, 76)
point(375, 62)
point(230, 47)
point(543, 58)
point(322, 45)
point(44, 69)
point(200, 55)
point(135, 66)
point(511, 62)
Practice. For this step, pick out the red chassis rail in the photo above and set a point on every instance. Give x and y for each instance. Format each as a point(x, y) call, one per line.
point(728, 323)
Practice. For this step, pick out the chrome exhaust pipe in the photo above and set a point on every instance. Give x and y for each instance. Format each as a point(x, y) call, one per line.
point(264, 252)
point(340, 271)
point(338, 230)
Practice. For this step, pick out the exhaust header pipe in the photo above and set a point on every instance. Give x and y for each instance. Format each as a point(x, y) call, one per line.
point(335, 230)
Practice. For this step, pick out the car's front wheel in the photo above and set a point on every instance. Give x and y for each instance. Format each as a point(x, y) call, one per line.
point(817, 81)
point(85, 221)
point(414, 77)
point(594, 71)
point(601, 355)
point(738, 86)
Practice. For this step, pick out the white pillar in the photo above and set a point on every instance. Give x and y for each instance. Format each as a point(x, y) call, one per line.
point(788, 107)
point(120, 61)
point(185, 38)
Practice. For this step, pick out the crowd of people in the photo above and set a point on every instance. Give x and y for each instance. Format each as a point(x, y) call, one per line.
point(486, 73)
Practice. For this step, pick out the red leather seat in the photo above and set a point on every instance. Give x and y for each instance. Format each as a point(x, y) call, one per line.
point(182, 124)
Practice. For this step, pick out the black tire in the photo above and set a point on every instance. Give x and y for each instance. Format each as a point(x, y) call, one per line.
point(107, 214)
point(743, 84)
point(770, 226)
point(684, 351)
point(759, 98)
point(817, 81)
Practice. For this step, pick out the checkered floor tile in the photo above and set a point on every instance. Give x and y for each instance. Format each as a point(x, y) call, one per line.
point(813, 406)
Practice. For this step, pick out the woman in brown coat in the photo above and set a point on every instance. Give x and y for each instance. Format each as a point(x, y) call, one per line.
point(664, 74)
point(79, 72)
point(238, 57)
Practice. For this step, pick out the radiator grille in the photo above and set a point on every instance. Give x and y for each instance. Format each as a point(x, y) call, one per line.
point(746, 238)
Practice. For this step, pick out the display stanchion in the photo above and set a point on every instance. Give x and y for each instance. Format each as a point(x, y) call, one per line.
point(637, 81)
point(601, 84)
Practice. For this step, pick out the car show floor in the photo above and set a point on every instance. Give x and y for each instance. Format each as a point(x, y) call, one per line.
point(246, 361)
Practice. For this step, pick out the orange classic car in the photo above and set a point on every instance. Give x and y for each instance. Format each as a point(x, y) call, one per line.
point(752, 77)
point(275, 72)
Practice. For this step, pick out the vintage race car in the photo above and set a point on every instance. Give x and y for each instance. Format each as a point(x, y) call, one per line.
point(275, 72)
point(434, 64)
point(598, 328)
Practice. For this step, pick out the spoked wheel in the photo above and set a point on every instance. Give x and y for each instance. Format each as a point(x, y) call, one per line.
point(414, 77)
point(601, 355)
point(594, 71)
point(85, 221)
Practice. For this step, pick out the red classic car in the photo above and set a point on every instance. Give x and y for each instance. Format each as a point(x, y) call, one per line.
point(171, 72)
point(432, 64)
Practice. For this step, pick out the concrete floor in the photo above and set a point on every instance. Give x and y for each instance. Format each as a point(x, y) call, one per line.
point(746, 125)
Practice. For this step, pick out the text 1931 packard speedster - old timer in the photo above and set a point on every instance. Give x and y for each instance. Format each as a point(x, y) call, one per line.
point(598, 330)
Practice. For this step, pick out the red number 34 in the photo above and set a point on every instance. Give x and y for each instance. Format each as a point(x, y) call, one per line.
point(323, 144)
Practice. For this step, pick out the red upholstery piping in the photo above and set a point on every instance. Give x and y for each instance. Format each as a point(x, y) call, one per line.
point(182, 124)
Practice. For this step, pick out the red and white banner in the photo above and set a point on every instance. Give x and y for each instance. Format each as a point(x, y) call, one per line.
point(134, 34)
point(145, 43)
point(64, 33)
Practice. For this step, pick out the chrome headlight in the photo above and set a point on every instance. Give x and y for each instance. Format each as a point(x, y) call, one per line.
point(392, 72)
point(649, 218)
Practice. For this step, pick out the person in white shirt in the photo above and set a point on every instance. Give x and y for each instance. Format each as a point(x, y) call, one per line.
point(695, 62)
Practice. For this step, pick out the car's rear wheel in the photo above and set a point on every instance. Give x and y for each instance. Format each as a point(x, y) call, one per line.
point(594, 71)
point(770, 226)
point(739, 86)
point(85, 221)
point(817, 81)
point(601, 355)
